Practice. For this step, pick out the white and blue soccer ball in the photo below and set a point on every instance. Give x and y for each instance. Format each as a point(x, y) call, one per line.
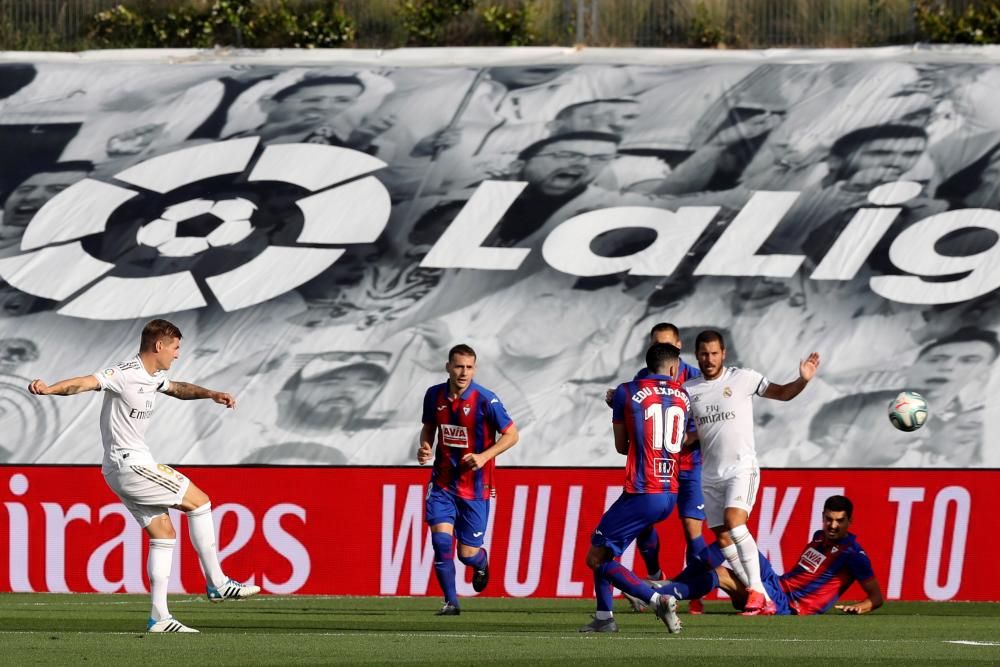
point(908, 411)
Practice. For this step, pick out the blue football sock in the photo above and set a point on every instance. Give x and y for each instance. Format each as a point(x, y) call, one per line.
point(478, 561)
point(691, 584)
point(625, 580)
point(711, 556)
point(603, 591)
point(648, 543)
point(694, 548)
point(444, 565)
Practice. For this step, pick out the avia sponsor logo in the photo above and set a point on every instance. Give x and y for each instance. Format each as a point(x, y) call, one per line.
point(193, 226)
point(59, 545)
point(454, 436)
point(811, 559)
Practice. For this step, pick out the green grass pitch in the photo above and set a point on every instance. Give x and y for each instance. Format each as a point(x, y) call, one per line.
point(107, 629)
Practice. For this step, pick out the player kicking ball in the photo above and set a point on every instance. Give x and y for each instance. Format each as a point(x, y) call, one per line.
point(147, 488)
point(649, 417)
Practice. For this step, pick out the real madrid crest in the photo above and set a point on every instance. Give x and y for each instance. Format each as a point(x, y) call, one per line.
point(727, 392)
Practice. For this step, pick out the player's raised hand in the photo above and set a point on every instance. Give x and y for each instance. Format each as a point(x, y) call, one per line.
point(38, 387)
point(809, 366)
point(225, 399)
point(425, 453)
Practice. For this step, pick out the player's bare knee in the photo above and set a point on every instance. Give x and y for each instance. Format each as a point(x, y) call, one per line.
point(161, 528)
point(597, 557)
point(194, 498)
point(466, 551)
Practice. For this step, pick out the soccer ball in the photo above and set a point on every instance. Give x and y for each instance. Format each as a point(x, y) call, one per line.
point(908, 411)
point(194, 226)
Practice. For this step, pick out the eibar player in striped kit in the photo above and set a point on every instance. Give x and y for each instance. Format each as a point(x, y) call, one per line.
point(722, 405)
point(690, 501)
point(464, 418)
point(147, 488)
point(649, 419)
point(831, 561)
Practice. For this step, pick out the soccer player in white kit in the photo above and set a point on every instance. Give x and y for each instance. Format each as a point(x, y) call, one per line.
point(147, 488)
point(722, 406)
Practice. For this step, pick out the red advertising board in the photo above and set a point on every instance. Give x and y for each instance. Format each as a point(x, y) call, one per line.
point(360, 531)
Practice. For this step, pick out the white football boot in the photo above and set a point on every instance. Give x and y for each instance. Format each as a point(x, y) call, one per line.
point(168, 624)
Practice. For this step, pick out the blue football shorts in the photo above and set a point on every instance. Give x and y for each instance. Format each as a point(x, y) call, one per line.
point(469, 517)
point(628, 516)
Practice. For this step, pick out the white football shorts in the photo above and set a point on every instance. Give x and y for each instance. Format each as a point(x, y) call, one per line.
point(739, 491)
point(148, 489)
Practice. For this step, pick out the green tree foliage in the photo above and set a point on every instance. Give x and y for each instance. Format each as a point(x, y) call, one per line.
point(979, 23)
point(240, 23)
point(510, 25)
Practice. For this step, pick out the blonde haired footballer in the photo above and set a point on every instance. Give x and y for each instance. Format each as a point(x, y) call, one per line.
point(147, 488)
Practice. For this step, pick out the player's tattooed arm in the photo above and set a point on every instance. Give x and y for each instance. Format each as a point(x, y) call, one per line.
point(186, 391)
point(65, 387)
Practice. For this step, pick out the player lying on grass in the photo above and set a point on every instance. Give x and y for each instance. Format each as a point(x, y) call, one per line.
point(147, 488)
point(829, 564)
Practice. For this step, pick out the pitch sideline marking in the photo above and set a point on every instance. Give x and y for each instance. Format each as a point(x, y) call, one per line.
point(968, 642)
point(434, 635)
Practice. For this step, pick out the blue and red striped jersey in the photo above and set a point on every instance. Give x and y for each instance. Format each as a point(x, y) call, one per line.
point(689, 458)
point(654, 410)
point(466, 425)
point(824, 572)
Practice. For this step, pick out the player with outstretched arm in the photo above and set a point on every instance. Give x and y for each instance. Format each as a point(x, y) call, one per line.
point(147, 488)
point(722, 405)
point(464, 418)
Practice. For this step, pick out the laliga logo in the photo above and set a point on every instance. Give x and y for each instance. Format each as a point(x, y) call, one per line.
point(344, 206)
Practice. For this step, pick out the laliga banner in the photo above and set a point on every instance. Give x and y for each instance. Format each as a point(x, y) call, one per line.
point(324, 226)
point(300, 531)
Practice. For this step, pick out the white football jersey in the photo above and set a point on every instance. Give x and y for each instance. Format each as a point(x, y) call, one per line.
point(129, 396)
point(723, 411)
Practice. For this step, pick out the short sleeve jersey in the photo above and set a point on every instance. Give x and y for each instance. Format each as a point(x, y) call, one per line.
point(825, 572)
point(467, 425)
point(690, 459)
point(129, 399)
point(723, 414)
point(654, 412)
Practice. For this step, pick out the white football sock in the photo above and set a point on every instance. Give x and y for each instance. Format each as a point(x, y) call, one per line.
point(654, 599)
point(202, 530)
point(732, 555)
point(747, 548)
point(161, 555)
point(603, 615)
